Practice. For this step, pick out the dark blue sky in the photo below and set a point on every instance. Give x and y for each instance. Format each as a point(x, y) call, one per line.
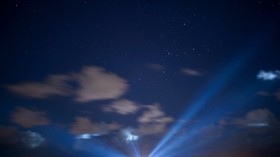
point(101, 67)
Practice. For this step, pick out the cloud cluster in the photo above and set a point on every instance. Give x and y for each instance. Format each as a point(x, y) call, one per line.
point(153, 121)
point(268, 75)
point(191, 72)
point(122, 106)
point(94, 83)
point(84, 125)
point(28, 118)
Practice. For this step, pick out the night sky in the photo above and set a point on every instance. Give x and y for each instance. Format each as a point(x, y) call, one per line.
point(116, 78)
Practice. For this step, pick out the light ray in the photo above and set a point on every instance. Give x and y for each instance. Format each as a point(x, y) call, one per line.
point(215, 86)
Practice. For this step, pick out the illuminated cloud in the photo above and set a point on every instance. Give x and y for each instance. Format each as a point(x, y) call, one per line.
point(122, 106)
point(258, 117)
point(268, 75)
point(54, 85)
point(190, 72)
point(84, 125)
point(154, 66)
point(28, 118)
point(128, 134)
point(32, 139)
point(96, 84)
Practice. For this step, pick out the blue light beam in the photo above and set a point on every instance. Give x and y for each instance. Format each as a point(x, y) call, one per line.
point(215, 86)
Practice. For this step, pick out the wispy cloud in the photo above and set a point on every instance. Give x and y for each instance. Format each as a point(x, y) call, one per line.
point(153, 120)
point(54, 85)
point(155, 66)
point(28, 118)
point(191, 72)
point(122, 106)
point(94, 83)
point(151, 128)
point(258, 117)
point(84, 125)
point(268, 75)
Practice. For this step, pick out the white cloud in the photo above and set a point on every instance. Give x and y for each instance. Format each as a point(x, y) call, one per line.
point(28, 118)
point(97, 84)
point(84, 125)
point(190, 72)
point(122, 106)
point(268, 75)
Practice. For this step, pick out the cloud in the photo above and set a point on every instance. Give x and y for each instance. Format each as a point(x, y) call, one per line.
point(94, 83)
point(153, 121)
point(190, 72)
point(54, 85)
point(268, 94)
point(154, 114)
point(151, 128)
point(28, 118)
point(154, 66)
point(84, 125)
point(97, 84)
point(258, 117)
point(122, 106)
point(268, 75)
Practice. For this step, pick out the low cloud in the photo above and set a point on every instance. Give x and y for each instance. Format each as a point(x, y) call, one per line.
point(94, 83)
point(268, 75)
point(154, 114)
point(122, 106)
point(28, 118)
point(54, 85)
point(153, 121)
point(84, 125)
point(191, 72)
point(258, 117)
